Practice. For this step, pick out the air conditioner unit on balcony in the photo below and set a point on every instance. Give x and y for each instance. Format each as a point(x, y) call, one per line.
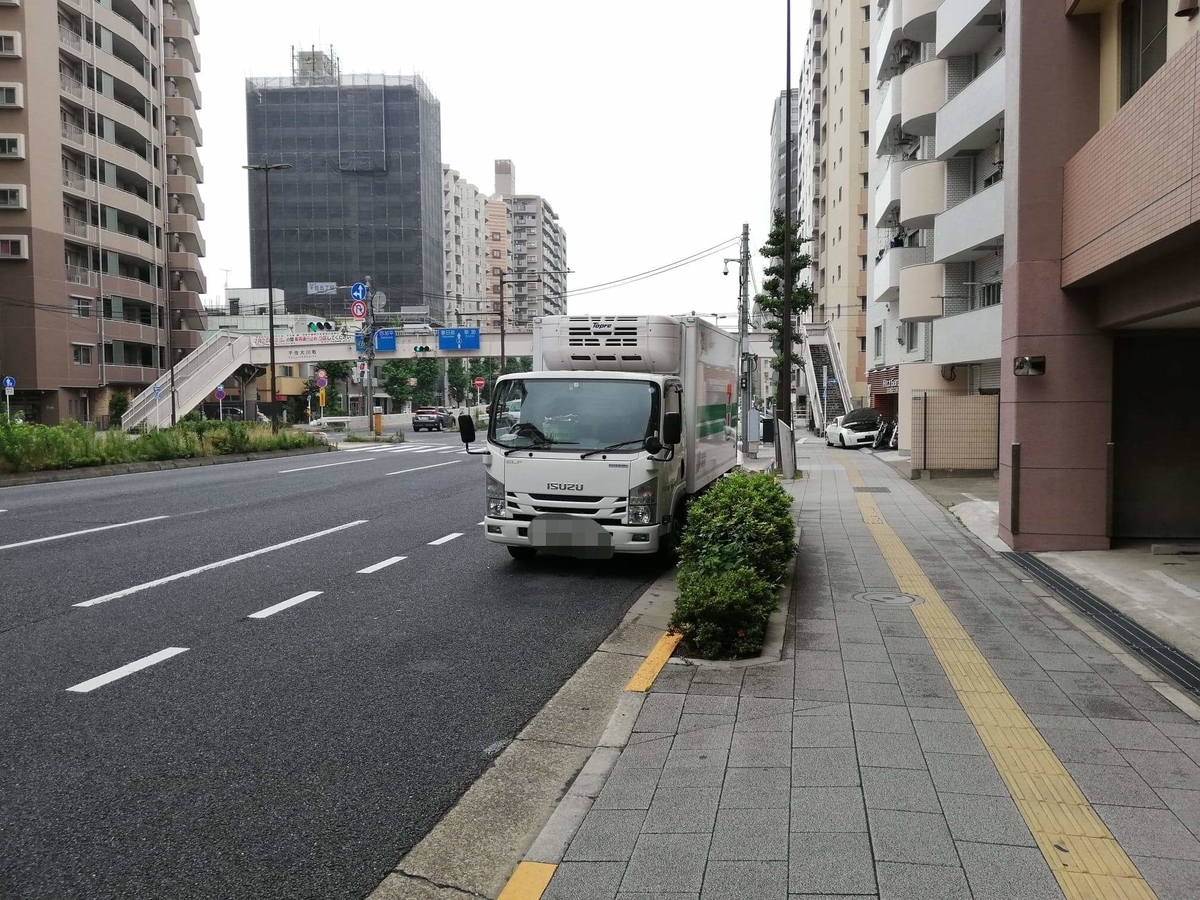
point(901, 333)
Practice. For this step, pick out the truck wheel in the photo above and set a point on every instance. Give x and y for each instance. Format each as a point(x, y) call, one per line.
point(668, 548)
point(522, 553)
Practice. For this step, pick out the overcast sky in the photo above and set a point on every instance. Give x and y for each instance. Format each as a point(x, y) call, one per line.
point(645, 123)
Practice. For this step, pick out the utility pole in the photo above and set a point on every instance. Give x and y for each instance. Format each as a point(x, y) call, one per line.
point(783, 403)
point(743, 339)
point(267, 170)
point(503, 325)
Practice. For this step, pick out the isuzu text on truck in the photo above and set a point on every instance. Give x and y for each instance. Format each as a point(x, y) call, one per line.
point(596, 451)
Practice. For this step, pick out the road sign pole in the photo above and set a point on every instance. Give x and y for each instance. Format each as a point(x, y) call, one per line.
point(220, 410)
point(7, 408)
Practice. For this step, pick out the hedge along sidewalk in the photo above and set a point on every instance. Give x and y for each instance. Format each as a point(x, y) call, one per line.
point(50, 476)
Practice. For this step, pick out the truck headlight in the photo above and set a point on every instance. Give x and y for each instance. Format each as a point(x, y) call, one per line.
point(643, 503)
point(497, 506)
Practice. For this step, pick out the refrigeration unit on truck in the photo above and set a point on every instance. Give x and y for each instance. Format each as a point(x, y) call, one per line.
point(596, 451)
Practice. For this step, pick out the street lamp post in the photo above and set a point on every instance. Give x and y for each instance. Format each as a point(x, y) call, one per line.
point(267, 169)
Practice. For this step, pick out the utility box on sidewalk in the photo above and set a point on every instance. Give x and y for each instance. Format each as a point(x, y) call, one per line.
point(754, 429)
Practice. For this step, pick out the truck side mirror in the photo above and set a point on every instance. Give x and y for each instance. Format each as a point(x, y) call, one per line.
point(653, 445)
point(466, 428)
point(672, 429)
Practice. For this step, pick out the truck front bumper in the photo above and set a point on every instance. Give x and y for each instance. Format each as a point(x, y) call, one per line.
point(625, 538)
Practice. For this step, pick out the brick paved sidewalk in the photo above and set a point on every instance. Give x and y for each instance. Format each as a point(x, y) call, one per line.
point(948, 749)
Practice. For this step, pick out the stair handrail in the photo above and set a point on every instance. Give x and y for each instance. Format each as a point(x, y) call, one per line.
point(144, 404)
point(814, 387)
point(835, 355)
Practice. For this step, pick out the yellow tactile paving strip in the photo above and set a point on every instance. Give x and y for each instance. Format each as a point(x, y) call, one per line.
point(1082, 853)
point(643, 678)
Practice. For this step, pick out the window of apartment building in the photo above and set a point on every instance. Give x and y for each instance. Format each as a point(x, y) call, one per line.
point(839, 237)
point(10, 43)
point(1143, 43)
point(863, 222)
point(83, 307)
point(11, 95)
point(988, 294)
point(910, 336)
point(82, 354)
point(840, 156)
point(862, 344)
point(495, 254)
point(862, 263)
point(878, 341)
point(866, 135)
point(13, 247)
point(12, 146)
point(12, 196)
point(839, 278)
point(866, 54)
point(866, 181)
point(866, 13)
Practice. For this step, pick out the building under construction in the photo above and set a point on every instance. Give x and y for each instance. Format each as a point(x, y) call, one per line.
point(364, 194)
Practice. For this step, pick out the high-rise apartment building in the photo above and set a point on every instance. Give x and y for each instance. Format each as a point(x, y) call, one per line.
point(937, 205)
point(1037, 242)
point(100, 243)
point(364, 194)
point(537, 253)
point(463, 211)
point(779, 151)
point(840, 247)
point(498, 253)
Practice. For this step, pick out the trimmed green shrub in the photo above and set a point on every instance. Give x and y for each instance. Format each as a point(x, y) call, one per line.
point(742, 520)
point(724, 615)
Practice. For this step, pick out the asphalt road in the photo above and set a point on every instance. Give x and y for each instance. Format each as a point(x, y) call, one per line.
point(265, 750)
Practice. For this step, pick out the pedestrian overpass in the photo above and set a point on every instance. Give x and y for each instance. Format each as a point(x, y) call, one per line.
point(215, 361)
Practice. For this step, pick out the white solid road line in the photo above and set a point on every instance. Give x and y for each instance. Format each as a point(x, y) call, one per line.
point(128, 669)
point(219, 564)
point(423, 468)
point(71, 534)
point(381, 565)
point(445, 540)
point(279, 607)
point(344, 462)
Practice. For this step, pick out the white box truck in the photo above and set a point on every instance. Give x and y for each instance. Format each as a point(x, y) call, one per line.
point(622, 420)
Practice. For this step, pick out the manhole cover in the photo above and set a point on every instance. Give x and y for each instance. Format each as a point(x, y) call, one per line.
point(872, 490)
point(887, 598)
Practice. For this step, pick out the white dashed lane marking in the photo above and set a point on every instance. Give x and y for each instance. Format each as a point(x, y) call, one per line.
point(128, 669)
point(344, 462)
point(452, 462)
point(381, 565)
point(280, 607)
point(445, 540)
point(71, 534)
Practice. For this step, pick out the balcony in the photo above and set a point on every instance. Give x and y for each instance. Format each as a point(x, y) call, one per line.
point(922, 194)
point(186, 305)
point(185, 340)
point(888, 117)
point(75, 90)
point(133, 332)
point(888, 269)
point(964, 27)
point(972, 120)
point(131, 288)
point(180, 34)
point(126, 159)
point(921, 289)
point(80, 275)
point(967, 338)
point(123, 114)
point(128, 201)
point(73, 43)
point(75, 135)
point(79, 230)
point(184, 9)
point(188, 266)
point(184, 188)
point(924, 94)
point(920, 19)
point(132, 375)
point(119, 25)
point(183, 112)
point(188, 229)
point(78, 184)
point(890, 33)
point(184, 151)
point(129, 244)
point(887, 193)
point(184, 73)
point(972, 229)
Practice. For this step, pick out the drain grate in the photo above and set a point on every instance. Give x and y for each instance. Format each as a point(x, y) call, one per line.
point(1167, 658)
point(872, 490)
point(887, 598)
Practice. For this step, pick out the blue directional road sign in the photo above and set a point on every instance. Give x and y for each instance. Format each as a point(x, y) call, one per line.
point(458, 338)
point(9, 382)
point(358, 291)
point(385, 341)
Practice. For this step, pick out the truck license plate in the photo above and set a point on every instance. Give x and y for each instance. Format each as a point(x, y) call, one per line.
point(571, 536)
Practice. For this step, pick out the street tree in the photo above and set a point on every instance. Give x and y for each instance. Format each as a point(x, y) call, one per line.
point(460, 381)
point(770, 299)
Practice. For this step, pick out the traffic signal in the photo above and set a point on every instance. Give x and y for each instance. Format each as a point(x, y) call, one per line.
point(317, 325)
point(424, 349)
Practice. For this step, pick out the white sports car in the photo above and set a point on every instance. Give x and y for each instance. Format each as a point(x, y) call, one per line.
point(857, 428)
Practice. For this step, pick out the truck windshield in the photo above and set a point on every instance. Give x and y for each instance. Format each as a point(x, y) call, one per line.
point(573, 415)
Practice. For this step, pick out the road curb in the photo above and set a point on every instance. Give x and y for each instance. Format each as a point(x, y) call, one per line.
point(22, 479)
